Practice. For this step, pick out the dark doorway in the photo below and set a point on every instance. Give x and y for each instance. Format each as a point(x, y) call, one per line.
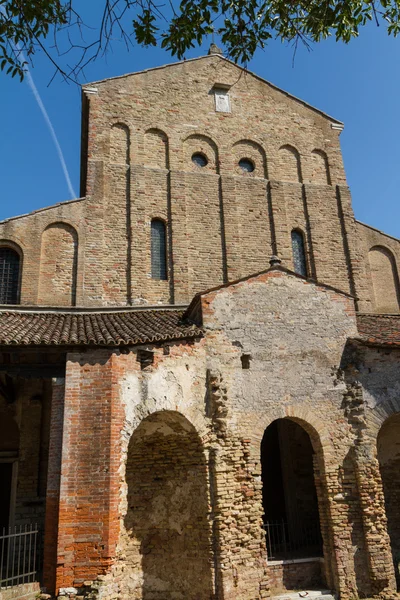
point(291, 517)
point(6, 469)
point(389, 463)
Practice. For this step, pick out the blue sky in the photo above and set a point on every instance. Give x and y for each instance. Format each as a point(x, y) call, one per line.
point(357, 83)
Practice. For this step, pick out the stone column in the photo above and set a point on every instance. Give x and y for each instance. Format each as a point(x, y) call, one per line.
point(371, 496)
point(377, 539)
point(337, 535)
point(235, 479)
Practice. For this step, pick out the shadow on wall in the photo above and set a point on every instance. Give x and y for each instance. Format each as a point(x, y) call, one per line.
point(169, 547)
point(385, 281)
point(389, 463)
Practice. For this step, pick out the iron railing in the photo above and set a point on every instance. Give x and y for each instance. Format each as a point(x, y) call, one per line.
point(20, 555)
point(299, 540)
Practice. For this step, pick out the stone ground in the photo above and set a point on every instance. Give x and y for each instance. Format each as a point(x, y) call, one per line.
point(311, 595)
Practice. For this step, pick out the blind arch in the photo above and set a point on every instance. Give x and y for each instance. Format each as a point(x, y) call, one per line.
point(158, 250)
point(10, 262)
point(299, 253)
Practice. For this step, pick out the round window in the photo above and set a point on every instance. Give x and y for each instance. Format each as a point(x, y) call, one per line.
point(246, 165)
point(200, 160)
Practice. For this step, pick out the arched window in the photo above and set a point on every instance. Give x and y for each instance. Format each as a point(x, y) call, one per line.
point(158, 250)
point(9, 275)
point(299, 253)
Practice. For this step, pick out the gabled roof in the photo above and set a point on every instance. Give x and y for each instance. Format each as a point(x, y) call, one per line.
point(192, 312)
point(213, 57)
point(97, 328)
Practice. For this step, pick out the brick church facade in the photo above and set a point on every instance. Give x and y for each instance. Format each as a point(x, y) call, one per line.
point(199, 382)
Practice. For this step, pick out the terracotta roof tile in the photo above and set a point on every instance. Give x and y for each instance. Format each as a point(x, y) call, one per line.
point(127, 327)
point(379, 329)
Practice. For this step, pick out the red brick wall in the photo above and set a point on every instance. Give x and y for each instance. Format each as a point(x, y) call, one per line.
point(53, 484)
point(89, 492)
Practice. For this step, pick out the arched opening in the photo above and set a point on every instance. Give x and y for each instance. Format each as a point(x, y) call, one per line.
point(389, 463)
point(167, 520)
point(158, 250)
point(384, 278)
point(58, 265)
point(119, 144)
point(320, 167)
point(156, 149)
point(289, 164)
point(201, 145)
point(9, 275)
point(291, 515)
point(299, 253)
point(249, 157)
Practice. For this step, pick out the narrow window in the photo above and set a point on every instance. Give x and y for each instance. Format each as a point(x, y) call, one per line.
point(299, 254)
point(158, 250)
point(9, 276)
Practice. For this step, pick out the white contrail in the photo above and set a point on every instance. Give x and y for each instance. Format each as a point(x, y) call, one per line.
point(42, 107)
point(21, 57)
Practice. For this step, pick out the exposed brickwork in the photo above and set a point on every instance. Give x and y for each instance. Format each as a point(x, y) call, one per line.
point(58, 266)
point(222, 222)
point(168, 538)
point(377, 270)
point(239, 406)
point(148, 441)
point(294, 575)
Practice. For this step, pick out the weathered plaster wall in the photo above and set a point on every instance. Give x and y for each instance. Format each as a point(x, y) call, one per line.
point(190, 426)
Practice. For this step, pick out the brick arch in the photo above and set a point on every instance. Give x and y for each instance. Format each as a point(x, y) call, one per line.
point(137, 412)
point(166, 524)
point(10, 243)
point(384, 279)
point(120, 143)
point(203, 144)
point(311, 423)
point(320, 167)
point(377, 416)
point(156, 148)
point(169, 404)
point(58, 265)
point(289, 164)
point(252, 150)
point(324, 453)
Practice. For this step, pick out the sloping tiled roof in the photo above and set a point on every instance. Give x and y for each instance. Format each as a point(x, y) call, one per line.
point(379, 329)
point(94, 328)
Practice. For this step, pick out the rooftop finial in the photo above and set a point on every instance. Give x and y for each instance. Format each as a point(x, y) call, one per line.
point(274, 261)
point(214, 49)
